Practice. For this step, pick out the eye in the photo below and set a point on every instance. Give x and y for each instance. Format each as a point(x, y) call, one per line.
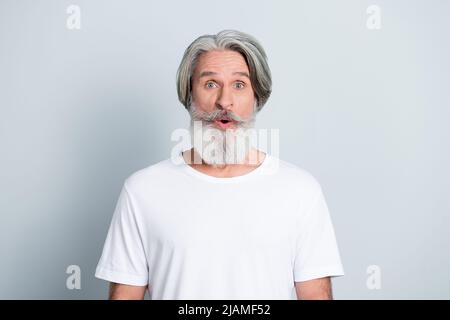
point(210, 84)
point(239, 85)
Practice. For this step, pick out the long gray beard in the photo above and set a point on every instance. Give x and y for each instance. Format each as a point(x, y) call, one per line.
point(222, 147)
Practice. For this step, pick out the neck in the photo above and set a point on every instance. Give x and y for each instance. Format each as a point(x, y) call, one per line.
point(252, 161)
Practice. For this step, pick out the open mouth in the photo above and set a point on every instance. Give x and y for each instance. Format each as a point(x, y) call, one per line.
point(224, 123)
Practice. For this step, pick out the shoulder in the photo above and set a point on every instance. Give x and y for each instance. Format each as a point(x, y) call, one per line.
point(150, 176)
point(298, 184)
point(296, 176)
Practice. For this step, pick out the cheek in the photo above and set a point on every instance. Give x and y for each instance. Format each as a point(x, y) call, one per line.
point(202, 98)
point(246, 103)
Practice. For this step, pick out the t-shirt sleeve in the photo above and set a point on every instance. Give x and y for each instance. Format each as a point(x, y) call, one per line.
point(123, 259)
point(317, 254)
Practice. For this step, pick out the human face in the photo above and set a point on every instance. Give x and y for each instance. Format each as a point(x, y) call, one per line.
point(223, 102)
point(221, 89)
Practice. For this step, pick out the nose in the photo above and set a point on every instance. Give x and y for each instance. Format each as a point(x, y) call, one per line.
point(225, 99)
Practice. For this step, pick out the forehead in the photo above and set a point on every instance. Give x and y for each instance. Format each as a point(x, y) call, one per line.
point(225, 61)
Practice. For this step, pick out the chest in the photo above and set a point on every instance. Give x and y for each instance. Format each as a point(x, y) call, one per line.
point(223, 221)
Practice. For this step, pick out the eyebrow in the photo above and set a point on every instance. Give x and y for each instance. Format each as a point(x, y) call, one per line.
point(210, 73)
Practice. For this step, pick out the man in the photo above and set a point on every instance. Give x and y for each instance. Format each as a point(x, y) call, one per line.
point(216, 223)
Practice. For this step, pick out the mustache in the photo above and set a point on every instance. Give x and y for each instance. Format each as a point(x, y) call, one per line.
point(216, 115)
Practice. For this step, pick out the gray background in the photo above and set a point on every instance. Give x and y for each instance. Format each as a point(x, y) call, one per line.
point(365, 111)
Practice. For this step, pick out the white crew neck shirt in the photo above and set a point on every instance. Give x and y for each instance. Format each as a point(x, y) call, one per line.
point(189, 235)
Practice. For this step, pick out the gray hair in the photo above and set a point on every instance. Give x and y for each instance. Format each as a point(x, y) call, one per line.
point(243, 43)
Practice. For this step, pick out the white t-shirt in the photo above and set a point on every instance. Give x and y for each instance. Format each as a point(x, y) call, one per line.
point(189, 235)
